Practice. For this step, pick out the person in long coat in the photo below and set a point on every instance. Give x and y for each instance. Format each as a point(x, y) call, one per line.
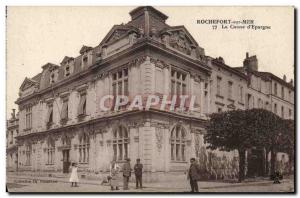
point(126, 173)
point(193, 175)
point(138, 171)
point(115, 176)
point(74, 176)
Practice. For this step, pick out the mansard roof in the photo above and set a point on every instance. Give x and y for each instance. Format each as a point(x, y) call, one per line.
point(218, 62)
point(274, 77)
point(37, 77)
point(266, 76)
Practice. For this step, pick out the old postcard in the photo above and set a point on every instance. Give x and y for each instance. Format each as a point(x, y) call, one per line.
point(150, 99)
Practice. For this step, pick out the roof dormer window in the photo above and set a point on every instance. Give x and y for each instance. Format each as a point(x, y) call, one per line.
point(84, 61)
point(67, 70)
point(52, 78)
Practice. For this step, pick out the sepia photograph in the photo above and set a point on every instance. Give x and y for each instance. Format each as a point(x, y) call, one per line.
point(150, 99)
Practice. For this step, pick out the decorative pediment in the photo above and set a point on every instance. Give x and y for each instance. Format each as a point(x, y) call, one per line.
point(85, 49)
point(117, 32)
point(27, 83)
point(66, 60)
point(180, 39)
point(50, 66)
point(182, 32)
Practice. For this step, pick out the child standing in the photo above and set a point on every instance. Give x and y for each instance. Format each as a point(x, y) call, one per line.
point(74, 176)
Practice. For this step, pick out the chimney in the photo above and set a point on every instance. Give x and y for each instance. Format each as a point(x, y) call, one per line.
point(284, 78)
point(292, 82)
point(250, 62)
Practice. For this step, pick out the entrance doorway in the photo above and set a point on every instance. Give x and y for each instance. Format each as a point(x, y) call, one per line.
point(256, 163)
point(66, 160)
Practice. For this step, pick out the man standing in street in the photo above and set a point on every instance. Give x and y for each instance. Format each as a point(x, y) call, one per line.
point(126, 173)
point(138, 171)
point(193, 175)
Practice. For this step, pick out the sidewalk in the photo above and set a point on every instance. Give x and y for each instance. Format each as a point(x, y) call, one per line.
point(178, 184)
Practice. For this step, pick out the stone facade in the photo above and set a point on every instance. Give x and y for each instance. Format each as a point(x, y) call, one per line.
point(60, 120)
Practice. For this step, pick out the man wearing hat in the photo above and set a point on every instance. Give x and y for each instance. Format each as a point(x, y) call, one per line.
point(138, 171)
point(126, 173)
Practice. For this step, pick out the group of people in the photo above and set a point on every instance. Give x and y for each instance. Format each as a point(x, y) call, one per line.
point(115, 175)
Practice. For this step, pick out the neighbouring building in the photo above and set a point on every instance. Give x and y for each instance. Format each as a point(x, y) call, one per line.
point(60, 120)
point(266, 91)
point(11, 146)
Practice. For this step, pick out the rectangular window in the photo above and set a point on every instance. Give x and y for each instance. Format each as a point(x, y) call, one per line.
point(267, 105)
point(82, 104)
point(120, 85)
point(282, 92)
point(50, 114)
point(219, 79)
point(230, 89)
point(241, 88)
point(178, 83)
point(28, 117)
point(290, 113)
point(282, 111)
point(28, 155)
point(64, 110)
point(275, 108)
point(275, 89)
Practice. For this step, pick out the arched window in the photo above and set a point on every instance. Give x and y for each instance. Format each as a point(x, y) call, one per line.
point(84, 146)
point(120, 143)
point(178, 143)
point(50, 151)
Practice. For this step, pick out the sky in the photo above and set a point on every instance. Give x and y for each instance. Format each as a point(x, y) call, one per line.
point(38, 35)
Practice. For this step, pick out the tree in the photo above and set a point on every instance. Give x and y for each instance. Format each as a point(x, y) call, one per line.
point(267, 127)
point(228, 131)
point(287, 140)
point(243, 129)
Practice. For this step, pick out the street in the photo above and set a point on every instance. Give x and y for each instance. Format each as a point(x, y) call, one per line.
point(46, 184)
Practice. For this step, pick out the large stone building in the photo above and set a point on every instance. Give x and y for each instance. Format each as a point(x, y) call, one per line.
point(60, 119)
